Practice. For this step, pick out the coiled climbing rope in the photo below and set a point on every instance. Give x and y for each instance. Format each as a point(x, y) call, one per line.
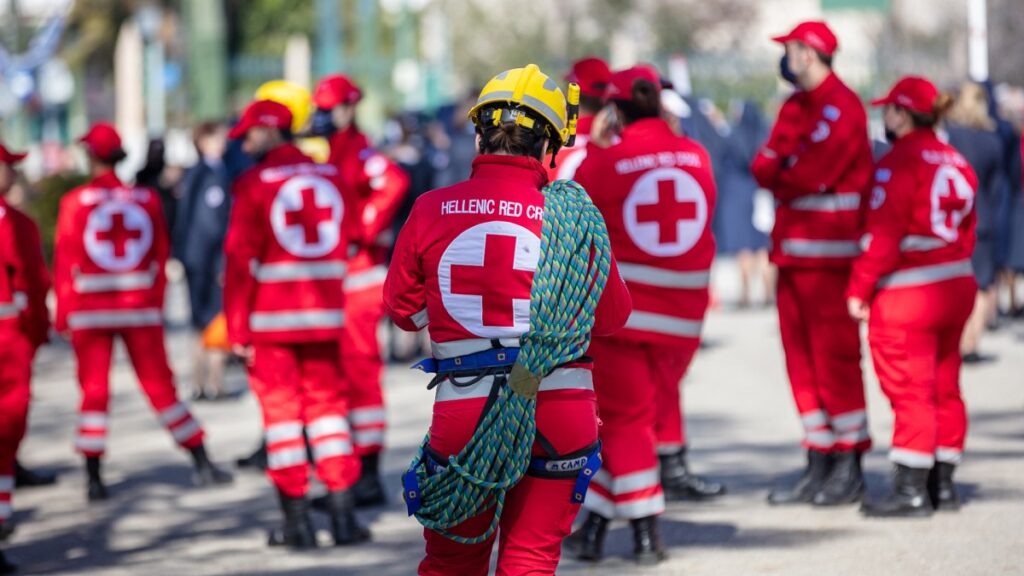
point(572, 269)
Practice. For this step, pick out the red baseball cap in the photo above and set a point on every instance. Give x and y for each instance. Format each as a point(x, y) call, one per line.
point(8, 157)
point(815, 34)
point(592, 74)
point(913, 93)
point(335, 90)
point(620, 85)
point(102, 141)
point(265, 113)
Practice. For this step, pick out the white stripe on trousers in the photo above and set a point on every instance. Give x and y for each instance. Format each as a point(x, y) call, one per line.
point(911, 458)
point(633, 509)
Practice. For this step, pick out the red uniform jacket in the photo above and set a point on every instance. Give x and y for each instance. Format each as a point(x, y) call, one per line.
point(657, 194)
point(24, 279)
point(920, 228)
point(465, 259)
point(109, 256)
point(287, 247)
point(569, 159)
point(817, 162)
point(380, 186)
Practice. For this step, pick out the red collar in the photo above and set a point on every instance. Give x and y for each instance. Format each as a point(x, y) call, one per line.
point(647, 128)
point(917, 137)
point(284, 154)
point(522, 168)
point(106, 180)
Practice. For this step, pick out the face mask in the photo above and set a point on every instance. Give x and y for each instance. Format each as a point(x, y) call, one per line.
point(785, 71)
point(323, 124)
point(890, 136)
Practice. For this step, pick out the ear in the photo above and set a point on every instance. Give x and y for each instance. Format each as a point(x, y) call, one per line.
point(479, 150)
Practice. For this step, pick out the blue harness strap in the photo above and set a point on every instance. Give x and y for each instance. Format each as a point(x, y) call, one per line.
point(583, 468)
point(491, 358)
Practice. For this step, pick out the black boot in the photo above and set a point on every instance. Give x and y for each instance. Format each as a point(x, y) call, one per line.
point(256, 460)
point(647, 548)
point(97, 489)
point(908, 499)
point(5, 566)
point(845, 484)
point(297, 531)
point(25, 478)
point(941, 488)
point(369, 490)
point(680, 484)
point(819, 465)
point(344, 526)
point(587, 542)
point(207, 473)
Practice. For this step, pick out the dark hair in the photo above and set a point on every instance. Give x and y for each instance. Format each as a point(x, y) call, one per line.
point(590, 104)
point(511, 138)
point(111, 159)
point(645, 102)
point(206, 129)
point(943, 102)
point(825, 59)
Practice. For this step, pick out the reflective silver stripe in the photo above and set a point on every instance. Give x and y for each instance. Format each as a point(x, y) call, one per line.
point(421, 318)
point(91, 443)
point(115, 318)
point(298, 271)
point(541, 107)
point(368, 437)
point(364, 416)
point(115, 282)
point(663, 324)
point(596, 502)
point(850, 420)
point(927, 274)
point(821, 438)
point(820, 248)
point(173, 413)
point(19, 301)
point(280, 459)
point(632, 482)
point(949, 455)
point(295, 320)
point(842, 202)
point(330, 448)
point(283, 432)
point(561, 379)
point(855, 437)
point(327, 426)
point(815, 419)
point(186, 430)
point(365, 279)
point(911, 458)
point(669, 449)
point(6, 483)
point(639, 508)
point(454, 348)
point(921, 243)
point(92, 420)
point(664, 278)
point(6, 510)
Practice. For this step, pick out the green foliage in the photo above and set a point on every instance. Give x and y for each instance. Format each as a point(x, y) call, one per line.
point(45, 201)
point(263, 26)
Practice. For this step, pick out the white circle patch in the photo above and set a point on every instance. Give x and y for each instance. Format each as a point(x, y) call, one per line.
point(118, 235)
point(485, 276)
point(214, 196)
point(306, 216)
point(666, 212)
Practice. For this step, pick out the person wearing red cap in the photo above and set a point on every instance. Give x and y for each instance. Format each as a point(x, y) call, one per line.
point(24, 326)
point(817, 162)
point(286, 254)
point(914, 287)
point(110, 249)
point(657, 194)
point(592, 75)
point(380, 186)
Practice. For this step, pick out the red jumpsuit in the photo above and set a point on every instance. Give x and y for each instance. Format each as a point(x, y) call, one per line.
point(817, 162)
point(464, 263)
point(657, 194)
point(109, 256)
point(286, 250)
point(380, 187)
point(24, 323)
point(916, 273)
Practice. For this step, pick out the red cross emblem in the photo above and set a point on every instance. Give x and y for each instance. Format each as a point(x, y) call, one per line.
point(497, 282)
point(119, 234)
point(665, 212)
point(952, 201)
point(951, 204)
point(308, 216)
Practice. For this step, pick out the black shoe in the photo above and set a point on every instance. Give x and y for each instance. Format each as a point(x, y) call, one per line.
point(819, 466)
point(344, 526)
point(647, 548)
point(587, 542)
point(257, 460)
point(206, 472)
point(369, 490)
point(297, 531)
point(845, 484)
point(6, 567)
point(908, 499)
point(941, 489)
point(97, 489)
point(6, 529)
point(974, 358)
point(680, 484)
point(26, 478)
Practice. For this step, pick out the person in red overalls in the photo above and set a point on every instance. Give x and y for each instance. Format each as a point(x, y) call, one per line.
point(657, 194)
point(915, 288)
point(817, 162)
point(110, 249)
point(592, 75)
point(24, 327)
point(463, 267)
point(380, 187)
point(286, 257)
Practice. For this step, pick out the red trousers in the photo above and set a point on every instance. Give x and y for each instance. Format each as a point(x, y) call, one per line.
point(299, 387)
point(669, 423)
point(822, 346)
point(145, 345)
point(538, 512)
point(15, 372)
point(627, 379)
point(361, 357)
point(914, 335)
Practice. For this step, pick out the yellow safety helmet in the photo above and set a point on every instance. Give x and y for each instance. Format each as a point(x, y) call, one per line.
point(525, 95)
point(294, 96)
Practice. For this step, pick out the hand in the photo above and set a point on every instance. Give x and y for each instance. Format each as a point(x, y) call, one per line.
point(245, 352)
point(605, 127)
point(858, 309)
